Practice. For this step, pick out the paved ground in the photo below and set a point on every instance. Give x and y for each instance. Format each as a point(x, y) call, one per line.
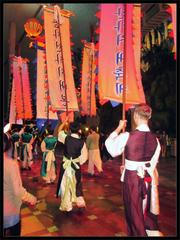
point(104, 215)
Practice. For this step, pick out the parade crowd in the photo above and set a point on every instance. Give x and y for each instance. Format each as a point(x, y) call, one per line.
point(139, 175)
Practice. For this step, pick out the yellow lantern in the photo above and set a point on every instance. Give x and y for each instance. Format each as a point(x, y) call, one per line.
point(33, 27)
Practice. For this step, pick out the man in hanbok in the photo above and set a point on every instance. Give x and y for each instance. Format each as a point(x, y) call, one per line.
point(69, 186)
point(48, 167)
point(139, 176)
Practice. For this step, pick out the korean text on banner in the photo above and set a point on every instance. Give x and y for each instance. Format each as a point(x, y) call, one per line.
point(88, 100)
point(111, 55)
point(59, 65)
point(41, 97)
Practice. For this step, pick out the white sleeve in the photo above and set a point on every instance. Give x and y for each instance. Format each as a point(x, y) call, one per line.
point(84, 154)
point(115, 143)
point(61, 136)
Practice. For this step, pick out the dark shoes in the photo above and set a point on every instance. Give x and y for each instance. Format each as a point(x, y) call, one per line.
point(90, 175)
point(100, 174)
point(23, 169)
point(81, 210)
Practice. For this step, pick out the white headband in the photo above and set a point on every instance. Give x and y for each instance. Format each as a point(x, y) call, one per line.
point(7, 127)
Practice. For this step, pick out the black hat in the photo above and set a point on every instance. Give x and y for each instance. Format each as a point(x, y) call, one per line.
point(74, 127)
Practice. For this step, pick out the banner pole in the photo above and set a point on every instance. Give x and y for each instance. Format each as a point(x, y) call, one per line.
point(124, 78)
point(47, 100)
point(65, 89)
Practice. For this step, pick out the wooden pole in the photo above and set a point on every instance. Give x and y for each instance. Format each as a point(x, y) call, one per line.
point(63, 68)
point(124, 78)
point(47, 102)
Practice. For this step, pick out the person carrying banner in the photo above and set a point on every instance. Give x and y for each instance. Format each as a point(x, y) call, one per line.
point(75, 154)
point(140, 176)
point(92, 143)
point(48, 167)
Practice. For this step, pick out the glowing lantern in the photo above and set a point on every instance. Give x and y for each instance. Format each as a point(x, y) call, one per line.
point(33, 28)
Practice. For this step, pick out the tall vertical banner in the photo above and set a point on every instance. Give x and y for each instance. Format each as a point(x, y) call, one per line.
point(21, 88)
point(59, 65)
point(174, 22)
point(88, 100)
point(41, 99)
point(26, 91)
point(12, 113)
point(136, 38)
point(111, 54)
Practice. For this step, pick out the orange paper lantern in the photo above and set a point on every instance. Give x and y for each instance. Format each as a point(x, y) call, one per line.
point(32, 27)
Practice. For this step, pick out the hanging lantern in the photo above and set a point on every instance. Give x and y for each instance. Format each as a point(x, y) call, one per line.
point(33, 28)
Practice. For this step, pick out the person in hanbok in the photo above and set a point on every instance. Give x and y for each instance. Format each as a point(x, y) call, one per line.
point(94, 157)
point(26, 149)
point(69, 186)
point(48, 167)
point(139, 176)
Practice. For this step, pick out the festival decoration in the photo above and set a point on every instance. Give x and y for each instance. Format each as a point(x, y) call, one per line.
point(60, 75)
point(136, 38)
point(111, 55)
point(174, 22)
point(33, 28)
point(44, 111)
point(88, 99)
point(21, 87)
point(12, 113)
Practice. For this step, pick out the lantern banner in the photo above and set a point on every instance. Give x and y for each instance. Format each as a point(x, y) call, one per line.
point(41, 95)
point(22, 88)
point(12, 113)
point(26, 92)
point(174, 22)
point(88, 100)
point(59, 66)
point(111, 54)
point(137, 48)
point(18, 90)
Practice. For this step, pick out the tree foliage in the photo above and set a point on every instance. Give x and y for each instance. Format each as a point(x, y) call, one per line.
point(159, 83)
